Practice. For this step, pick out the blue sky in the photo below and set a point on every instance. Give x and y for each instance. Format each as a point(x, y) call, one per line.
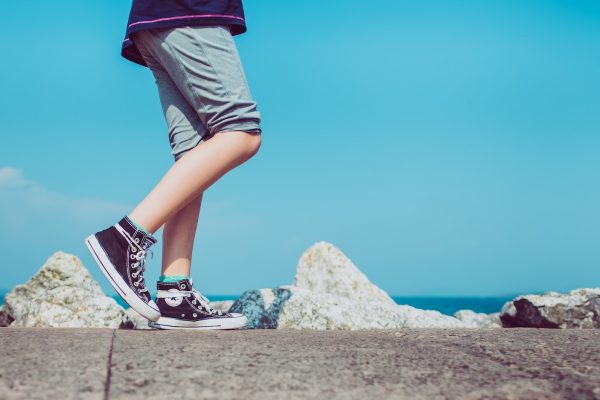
point(448, 148)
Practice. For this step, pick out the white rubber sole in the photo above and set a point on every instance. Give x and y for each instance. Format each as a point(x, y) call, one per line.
point(214, 323)
point(149, 311)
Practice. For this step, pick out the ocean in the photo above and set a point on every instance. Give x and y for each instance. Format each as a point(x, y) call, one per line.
point(445, 305)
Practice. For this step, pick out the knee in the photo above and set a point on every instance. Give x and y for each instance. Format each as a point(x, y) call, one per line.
point(248, 143)
point(253, 141)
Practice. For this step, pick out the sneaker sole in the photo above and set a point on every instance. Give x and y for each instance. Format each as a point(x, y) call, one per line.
point(109, 270)
point(215, 323)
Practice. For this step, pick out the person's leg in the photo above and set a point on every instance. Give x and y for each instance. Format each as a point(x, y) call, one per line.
point(204, 64)
point(185, 131)
point(178, 240)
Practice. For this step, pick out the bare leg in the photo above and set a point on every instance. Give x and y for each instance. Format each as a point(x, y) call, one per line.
point(192, 174)
point(178, 239)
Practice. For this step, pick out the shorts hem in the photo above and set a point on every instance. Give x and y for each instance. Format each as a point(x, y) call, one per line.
point(252, 128)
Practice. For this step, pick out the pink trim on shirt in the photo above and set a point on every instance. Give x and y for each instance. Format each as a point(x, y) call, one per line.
point(184, 17)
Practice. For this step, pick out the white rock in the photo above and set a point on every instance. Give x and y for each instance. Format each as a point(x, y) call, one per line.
point(580, 308)
point(223, 305)
point(478, 320)
point(330, 292)
point(308, 310)
point(62, 294)
point(323, 268)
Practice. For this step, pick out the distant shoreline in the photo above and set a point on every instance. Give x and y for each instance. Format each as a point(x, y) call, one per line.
point(446, 305)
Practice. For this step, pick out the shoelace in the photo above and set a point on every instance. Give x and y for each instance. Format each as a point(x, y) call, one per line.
point(140, 266)
point(205, 302)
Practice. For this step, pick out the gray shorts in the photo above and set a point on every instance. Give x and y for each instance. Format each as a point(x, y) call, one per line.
point(201, 83)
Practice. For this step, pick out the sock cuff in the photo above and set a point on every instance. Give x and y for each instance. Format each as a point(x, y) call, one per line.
point(172, 278)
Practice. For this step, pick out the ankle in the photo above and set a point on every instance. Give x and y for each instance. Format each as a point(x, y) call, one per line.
point(138, 226)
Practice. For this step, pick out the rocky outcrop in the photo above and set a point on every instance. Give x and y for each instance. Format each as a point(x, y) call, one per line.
point(62, 294)
point(471, 319)
point(323, 268)
point(330, 292)
point(262, 306)
point(5, 319)
point(579, 308)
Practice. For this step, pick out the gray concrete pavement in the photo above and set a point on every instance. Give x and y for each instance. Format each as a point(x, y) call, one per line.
point(53, 363)
point(273, 364)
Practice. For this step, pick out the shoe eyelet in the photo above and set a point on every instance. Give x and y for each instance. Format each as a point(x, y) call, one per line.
point(182, 286)
point(135, 284)
point(195, 315)
point(182, 315)
point(136, 240)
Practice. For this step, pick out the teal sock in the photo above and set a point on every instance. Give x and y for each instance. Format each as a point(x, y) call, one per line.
point(138, 226)
point(172, 278)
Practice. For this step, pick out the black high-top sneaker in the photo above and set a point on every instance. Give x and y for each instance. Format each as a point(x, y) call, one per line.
point(120, 251)
point(183, 307)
